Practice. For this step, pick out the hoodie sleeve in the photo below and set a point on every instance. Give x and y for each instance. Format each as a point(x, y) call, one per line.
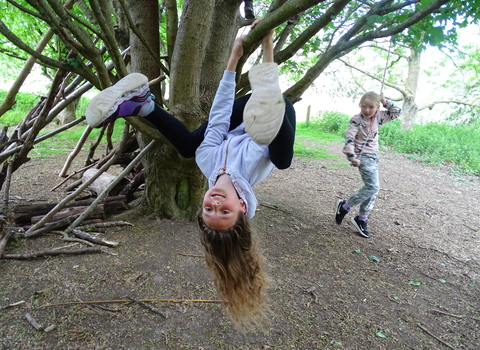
point(392, 112)
point(218, 120)
point(350, 135)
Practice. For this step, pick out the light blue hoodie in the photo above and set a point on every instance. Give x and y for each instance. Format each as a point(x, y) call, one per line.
point(234, 152)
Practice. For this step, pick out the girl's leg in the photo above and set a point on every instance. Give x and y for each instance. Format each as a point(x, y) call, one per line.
point(281, 148)
point(186, 142)
point(367, 194)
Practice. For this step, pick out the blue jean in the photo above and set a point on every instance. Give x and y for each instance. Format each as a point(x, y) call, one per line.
point(366, 195)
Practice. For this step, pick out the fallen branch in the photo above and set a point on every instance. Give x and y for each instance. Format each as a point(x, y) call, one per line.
point(456, 316)
point(105, 224)
point(52, 226)
point(79, 190)
point(110, 186)
point(129, 301)
point(87, 237)
point(147, 306)
point(75, 151)
point(191, 255)
point(8, 180)
point(98, 308)
point(275, 208)
point(12, 305)
point(72, 175)
point(434, 336)
point(4, 240)
point(33, 322)
point(51, 252)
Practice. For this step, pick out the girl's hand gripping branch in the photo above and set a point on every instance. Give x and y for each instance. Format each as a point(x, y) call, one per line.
point(237, 52)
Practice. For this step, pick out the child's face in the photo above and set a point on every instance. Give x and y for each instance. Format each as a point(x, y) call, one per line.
point(369, 109)
point(221, 205)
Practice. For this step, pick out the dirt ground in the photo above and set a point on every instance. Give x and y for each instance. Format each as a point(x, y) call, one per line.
point(415, 284)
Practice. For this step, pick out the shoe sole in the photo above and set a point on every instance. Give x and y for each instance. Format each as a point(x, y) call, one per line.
point(265, 109)
point(358, 228)
point(101, 104)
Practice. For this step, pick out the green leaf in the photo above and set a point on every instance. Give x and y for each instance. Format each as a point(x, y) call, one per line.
point(357, 251)
point(374, 258)
point(372, 19)
point(73, 62)
point(415, 282)
point(442, 280)
point(381, 335)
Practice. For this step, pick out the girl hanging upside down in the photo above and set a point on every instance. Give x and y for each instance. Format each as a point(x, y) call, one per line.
point(239, 146)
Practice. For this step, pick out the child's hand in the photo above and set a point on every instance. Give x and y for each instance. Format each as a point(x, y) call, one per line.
point(382, 99)
point(267, 38)
point(237, 52)
point(356, 162)
point(237, 49)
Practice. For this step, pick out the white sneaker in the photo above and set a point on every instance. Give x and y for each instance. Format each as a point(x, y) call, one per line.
point(129, 96)
point(264, 111)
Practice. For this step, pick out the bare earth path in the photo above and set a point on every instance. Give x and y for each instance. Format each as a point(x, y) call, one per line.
point(415, 284)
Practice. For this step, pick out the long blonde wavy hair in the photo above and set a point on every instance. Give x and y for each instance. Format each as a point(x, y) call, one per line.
point(237, 266)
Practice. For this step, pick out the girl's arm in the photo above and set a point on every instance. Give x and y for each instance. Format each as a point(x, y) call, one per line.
point(393, 111)
point(350, 136)
point(267, 43)
point(219, 118)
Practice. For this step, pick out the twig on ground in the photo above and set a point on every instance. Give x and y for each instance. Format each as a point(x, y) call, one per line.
point(275, 208)
point(67, 238)
point(129, 301)
point(191, 255)
point(12, 305)
point(33, 322)
point(83, 235)
point(456, 316)
point(147, 306)
point(104, 224)
point(98, 308)
point(434, 336)
point(51, 252)
point(471, 228)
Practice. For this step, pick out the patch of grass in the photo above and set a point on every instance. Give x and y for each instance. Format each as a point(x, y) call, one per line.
point(456, 145)
point(24, 102)
point(64, 142)
point(306, 132)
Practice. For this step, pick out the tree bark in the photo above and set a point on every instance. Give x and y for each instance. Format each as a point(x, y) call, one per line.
point(23, 213)
point(410, 108)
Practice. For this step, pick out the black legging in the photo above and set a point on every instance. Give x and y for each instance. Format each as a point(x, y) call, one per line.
point(186, 142)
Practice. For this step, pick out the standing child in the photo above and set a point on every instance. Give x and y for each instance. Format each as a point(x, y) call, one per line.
point(361, 149)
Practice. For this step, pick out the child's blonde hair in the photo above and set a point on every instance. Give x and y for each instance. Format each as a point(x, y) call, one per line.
point(237, 266)
point(371, 96)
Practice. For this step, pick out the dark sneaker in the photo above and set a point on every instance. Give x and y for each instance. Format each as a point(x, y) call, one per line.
point(361, 226)
point(340, 212)
point(249, 14)
point(249, 10)
point(130, 96)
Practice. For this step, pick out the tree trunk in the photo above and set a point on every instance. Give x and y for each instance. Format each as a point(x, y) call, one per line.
point(68, 114)
point(174, 186)
point(410, 108)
